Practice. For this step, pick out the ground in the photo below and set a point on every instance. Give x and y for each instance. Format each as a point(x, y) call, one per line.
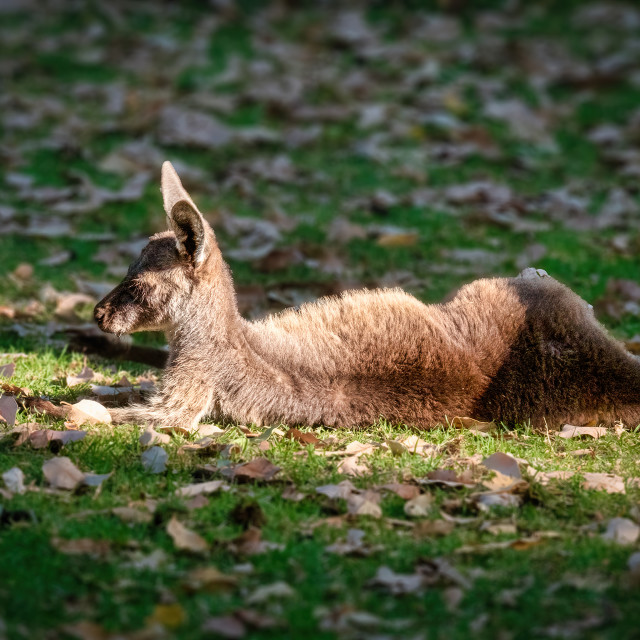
point(418, 144)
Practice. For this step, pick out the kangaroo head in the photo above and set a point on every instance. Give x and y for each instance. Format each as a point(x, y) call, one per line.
point(159, 286)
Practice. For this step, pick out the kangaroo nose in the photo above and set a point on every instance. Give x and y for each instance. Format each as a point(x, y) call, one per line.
point(98, 314)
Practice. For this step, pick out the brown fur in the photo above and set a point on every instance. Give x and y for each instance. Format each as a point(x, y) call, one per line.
point(511, 350)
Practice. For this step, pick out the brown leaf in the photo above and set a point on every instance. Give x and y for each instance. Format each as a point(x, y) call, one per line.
point(256, 619)
point(274, 591)
point(429, 528)
point(250, 543)
point(499, 498)
point(256, 469)
point(544, 477)
point(6, 370)
point(184, 538)
point(341, 490)
point(8, 410)
point(397, 448)
point(520, 544)
point(130, 514)
point(404, 491)
point(303, 438)
point(208, 579)
point(569, 431)
point(351, 467)
point(608, 482)
point(473, 424)
point(418, 446)
point(397, 583)
point(61, 473)
point(291, 493)
point(168, 616)
point(86, 630)
point(202, 488)
point(151, 437)
point(197, 502)
point(393, 237)
point(500, 482)
point(188, 127)
point(55, 439)
point(224, 627)
point(447, 478)
point(420, 506)
point(205, 447)
point(81, 546)
point(84, 376)
point(504, 464)
point(89, 412)
point(363, 505)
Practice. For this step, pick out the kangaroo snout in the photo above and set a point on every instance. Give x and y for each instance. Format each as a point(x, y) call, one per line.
point(101, 315)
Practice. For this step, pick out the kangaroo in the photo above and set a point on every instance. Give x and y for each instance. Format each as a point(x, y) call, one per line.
point(505, 349)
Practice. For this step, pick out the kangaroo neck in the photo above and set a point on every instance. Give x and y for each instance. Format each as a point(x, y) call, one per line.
point(209, 317)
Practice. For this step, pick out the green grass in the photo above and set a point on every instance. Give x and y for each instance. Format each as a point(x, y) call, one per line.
point(514, 593)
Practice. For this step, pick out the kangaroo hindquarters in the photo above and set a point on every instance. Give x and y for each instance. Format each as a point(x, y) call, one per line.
point(563, 367)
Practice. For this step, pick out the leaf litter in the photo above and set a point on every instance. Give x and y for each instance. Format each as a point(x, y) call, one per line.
point(436, 118)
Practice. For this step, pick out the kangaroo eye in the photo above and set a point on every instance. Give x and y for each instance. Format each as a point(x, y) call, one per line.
point(126, 297)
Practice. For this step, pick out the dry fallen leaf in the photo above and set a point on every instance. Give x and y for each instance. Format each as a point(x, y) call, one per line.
point(351, 467)
point(84, 376)
point(448, 478)
point(420, 506)
point(608, 482)
point(504, 464)
point(61, 473)
point(250, 542)
point(520, 544)
point(81, 546)
point(154, 460)
point(224, 627)
point(168, 616)
point(404, 491)
point(397, 583)
point(569, 431)
point(256, 469)
point(622, 531)
point(208, 579)
point(184, 538)
point(7, 370)
point(364, 505)
point(14, 480)
point(341, 490)
point(473, 424)
point(151, 437)
point(274, 591)
point(202, 488)
point(49, 437)
point(291, 493)
point(8, 410)
point(428, 528)
point(132, 515)
point(504, 483)
point(499, 498)
point(302, 437)
point(418, 446)
point(89, 412)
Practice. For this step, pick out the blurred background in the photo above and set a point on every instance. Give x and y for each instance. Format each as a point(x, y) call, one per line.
point(331, 146)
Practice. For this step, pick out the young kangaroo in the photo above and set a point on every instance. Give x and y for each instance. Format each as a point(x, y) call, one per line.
point(512, 350)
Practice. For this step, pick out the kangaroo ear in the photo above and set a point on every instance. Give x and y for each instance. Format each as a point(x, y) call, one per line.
point(183, 217)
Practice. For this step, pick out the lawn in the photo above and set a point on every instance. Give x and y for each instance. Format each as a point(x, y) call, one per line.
point(420, 145)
